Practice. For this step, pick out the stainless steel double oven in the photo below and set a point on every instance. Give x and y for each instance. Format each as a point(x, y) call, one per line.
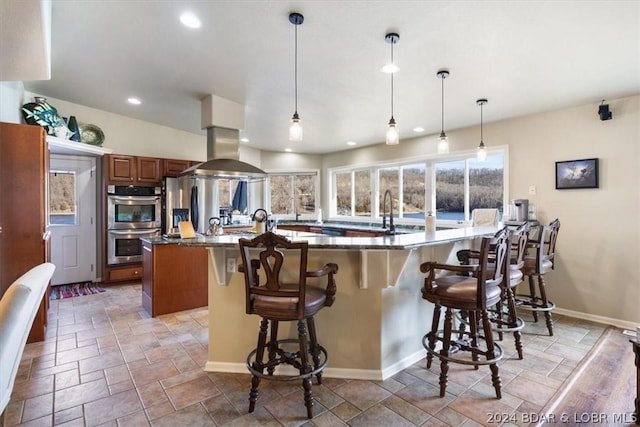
point(132, 212)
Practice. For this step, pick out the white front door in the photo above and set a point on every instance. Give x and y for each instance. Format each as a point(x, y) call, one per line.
point(72, 211)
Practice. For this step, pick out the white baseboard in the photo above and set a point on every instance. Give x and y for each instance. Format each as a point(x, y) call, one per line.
point(345, 373)
point(622, 324)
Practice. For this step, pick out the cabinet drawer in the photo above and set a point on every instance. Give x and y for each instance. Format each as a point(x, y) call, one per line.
point(125, 273)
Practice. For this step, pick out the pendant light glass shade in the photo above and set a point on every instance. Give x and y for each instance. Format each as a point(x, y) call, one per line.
point(443, 143)
point(393, 133)
point(481, 153)
point(295, 128)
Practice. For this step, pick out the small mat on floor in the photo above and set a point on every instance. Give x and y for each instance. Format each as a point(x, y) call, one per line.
point(75, 290)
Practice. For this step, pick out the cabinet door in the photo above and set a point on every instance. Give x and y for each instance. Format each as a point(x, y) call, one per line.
point(174, 167)
point(148, 169)
point(147, 276)
point(121, 168)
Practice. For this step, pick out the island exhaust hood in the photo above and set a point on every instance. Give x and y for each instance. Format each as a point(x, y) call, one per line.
point(222, 119)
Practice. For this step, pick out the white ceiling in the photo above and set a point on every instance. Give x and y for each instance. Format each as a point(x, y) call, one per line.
point(524, 56)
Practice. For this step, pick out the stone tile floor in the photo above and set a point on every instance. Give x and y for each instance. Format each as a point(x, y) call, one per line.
point(105, 362)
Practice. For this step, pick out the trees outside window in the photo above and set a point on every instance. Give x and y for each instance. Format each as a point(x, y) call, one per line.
point(293, 194)
point(452, 188)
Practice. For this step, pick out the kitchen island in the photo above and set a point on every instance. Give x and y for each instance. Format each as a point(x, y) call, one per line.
point(375, 327)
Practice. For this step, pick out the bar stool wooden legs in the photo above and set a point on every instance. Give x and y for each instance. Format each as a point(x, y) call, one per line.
point(539, 261)
point(308, 351)
point(275, 301)
point(504, 316)
point(473, 293)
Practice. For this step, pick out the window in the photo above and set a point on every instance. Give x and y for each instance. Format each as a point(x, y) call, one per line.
point(452, 188)
point(344, 192)
point(293, 194)
point(389, 179)
point(486, 183)
point(413, 190)
point(227, 191)
point(62, 198)
point(362, 192)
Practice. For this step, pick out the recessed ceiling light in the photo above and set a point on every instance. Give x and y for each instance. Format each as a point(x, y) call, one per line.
point(418, 129)
point(351, 143)
point(134, 101)
point(190, 20)
point(244, 139)
point(288, 150)
point(390, 68)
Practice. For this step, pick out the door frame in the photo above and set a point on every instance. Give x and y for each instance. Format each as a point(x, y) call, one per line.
point(94, 236)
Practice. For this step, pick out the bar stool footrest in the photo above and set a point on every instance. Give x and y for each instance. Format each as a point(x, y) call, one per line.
point(324, 358)
point(527, 302)
point(439, 336)
point(503, 325)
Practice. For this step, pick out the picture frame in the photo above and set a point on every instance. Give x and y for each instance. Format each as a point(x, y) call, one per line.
point(577, 174)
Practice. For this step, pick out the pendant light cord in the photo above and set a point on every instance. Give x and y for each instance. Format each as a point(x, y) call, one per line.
point(295, 68)
point(392, 43)
point(442, 104)
point(481, 123)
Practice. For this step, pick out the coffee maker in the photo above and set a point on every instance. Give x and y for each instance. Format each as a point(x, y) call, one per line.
point(226, 216)
point(520, 210)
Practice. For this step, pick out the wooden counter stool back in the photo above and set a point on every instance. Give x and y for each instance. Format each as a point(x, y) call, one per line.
point(278, 294)
point(506, 317)
point(473, 293)
point(538, 261)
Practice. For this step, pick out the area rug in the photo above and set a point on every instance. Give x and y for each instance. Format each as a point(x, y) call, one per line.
point(75, 290)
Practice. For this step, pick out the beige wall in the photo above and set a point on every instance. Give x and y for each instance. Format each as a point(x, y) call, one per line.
point(598, 249)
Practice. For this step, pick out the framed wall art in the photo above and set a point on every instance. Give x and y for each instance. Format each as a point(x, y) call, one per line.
point(574, 174)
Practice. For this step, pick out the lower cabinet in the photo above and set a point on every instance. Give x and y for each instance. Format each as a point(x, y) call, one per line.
point(129, 273)
point(174, 278)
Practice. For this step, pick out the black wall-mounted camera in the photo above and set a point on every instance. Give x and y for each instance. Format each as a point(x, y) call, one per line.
point(604, 113)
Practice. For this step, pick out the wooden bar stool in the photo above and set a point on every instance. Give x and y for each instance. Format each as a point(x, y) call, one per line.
point(539, 260)
point(504, 316)
point(274, 299)
point(474, 292)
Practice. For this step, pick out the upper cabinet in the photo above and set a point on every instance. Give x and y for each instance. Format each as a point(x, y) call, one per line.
point(132, 170)
point(148, 170)
point(174, 167)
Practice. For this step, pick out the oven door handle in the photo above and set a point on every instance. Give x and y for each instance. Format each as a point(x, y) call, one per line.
point(135, 198)
point(132, 231)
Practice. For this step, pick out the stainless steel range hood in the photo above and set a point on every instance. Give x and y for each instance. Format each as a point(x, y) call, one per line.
point(220, 117)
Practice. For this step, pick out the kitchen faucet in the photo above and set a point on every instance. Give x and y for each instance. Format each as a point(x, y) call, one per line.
point(392, 228)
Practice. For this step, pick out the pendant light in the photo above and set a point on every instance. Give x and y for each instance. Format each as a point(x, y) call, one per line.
point(295, 128)
point(443, 143)
point(393, 134)
point(482, 150)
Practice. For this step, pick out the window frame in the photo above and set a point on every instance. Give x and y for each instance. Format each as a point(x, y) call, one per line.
point(430, 186)
point(301, 217)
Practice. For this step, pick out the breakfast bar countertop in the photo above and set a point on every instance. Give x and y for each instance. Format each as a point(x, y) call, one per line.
point(320, 241)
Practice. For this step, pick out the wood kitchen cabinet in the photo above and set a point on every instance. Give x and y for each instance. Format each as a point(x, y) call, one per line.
point(132, 170)
point(172, 167)
point(24, 207)
point(129, 273)
point(174, 278)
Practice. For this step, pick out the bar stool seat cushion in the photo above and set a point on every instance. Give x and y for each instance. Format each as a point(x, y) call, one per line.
point(530, 265)
point(287, 308)
point(460, 292)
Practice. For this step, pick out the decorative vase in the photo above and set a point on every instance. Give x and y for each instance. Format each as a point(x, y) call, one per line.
point(72, 124)
point(42, 113)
